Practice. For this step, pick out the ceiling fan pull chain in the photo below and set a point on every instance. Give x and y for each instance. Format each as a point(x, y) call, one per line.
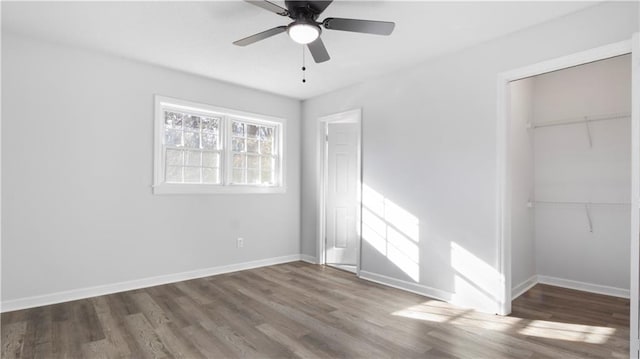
point(304, 79)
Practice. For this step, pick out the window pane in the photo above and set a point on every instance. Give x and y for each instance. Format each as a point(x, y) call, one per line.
point(238, 145)
point(210, 175)
point(238, 176)
point(210, 124)
point(209, 141)
point(174, 174)
point(252, 146)
point(173, 120)
point(239, 161)
point(266, 133)
point(253, 177)
point(174, 157)
point(210, 159)
point(238, 129)
point(191, 175)
point(252, 130)
point(253, 162)
point(266, 148)
point(192, 123)
point(266, 163)
point(192, 158)
point(192, 139)
point(173, 138)
point(267, 177)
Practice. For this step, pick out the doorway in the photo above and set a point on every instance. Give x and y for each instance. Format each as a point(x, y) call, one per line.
point(506, 180)
point(340, 184)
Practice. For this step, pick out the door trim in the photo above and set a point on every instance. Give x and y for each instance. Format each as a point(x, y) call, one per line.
point(351, 116)
point(503, 190)
point(634, 344)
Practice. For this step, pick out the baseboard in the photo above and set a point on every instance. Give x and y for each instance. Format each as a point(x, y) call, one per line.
point(308, 259)
point(408, 286)
point(82, 293)
point(583, 286)
point(521, 288)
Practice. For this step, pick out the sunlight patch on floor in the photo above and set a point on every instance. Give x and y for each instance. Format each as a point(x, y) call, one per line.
point(441, 312)
point(568, 331)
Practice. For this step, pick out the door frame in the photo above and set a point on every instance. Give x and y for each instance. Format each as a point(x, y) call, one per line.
point(634, 325)
point(351, 116)
point(504, 184)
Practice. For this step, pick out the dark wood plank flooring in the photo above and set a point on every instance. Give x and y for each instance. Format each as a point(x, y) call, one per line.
point(307, 311)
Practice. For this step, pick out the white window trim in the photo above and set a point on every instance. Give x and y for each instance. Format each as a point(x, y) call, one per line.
point(161, 187)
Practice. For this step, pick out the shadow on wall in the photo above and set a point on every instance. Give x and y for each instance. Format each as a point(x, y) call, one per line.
point(394, 233)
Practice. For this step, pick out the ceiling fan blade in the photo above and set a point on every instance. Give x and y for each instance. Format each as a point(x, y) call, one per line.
point(318, 51)
point(365, 26)
point(260, 36)
point(269, 6)
point(320, 6)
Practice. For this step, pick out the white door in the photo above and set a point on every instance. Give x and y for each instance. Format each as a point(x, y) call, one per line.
point(341, 193)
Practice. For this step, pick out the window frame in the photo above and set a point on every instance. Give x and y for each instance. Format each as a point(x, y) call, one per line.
point(226, 115)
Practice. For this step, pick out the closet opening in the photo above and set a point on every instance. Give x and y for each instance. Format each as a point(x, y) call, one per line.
point(567, 201)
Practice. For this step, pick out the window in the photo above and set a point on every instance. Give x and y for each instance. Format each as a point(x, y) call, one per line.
point(205, 149)
point(254, 159)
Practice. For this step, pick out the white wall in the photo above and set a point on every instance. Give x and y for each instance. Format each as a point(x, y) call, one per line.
point(523, 264)
point(429, 145)
point(77, 159)
point(568, 169)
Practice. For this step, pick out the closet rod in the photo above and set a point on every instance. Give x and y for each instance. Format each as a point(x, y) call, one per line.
point(584, 203)
point(585, 119)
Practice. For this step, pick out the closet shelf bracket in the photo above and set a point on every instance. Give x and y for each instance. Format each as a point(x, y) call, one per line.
point(586, 123)
point(586, 210)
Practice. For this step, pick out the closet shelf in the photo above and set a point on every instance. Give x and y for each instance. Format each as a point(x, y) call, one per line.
point(585, 205)
point(532, 203)
point(578, 120)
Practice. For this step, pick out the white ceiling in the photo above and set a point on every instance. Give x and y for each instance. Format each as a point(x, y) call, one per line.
point(196, 37)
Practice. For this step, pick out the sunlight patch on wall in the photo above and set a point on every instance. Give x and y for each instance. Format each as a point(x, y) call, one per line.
point(392, 231)
point(475, 281)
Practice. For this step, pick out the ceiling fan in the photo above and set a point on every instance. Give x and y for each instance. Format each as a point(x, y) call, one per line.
point(305, 29)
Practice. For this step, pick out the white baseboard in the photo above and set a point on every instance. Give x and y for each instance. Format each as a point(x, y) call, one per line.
point(308, 259)
point(408, 286)
point(81, 293)
point(521, 288)
point(583, 286)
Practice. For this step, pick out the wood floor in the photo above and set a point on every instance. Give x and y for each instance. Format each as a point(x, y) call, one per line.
point(302, 310)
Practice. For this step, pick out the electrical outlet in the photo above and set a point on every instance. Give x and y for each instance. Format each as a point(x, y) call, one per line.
point(240, 242)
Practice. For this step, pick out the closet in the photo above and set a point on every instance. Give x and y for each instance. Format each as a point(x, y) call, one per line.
point(570, 166)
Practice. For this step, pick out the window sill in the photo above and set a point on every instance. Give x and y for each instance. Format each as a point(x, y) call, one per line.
point(170, 188)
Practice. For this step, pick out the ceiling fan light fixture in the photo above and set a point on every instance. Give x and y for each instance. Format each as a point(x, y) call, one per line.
point(303, 33)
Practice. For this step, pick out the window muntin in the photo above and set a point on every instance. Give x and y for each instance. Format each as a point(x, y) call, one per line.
point(205, 149)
